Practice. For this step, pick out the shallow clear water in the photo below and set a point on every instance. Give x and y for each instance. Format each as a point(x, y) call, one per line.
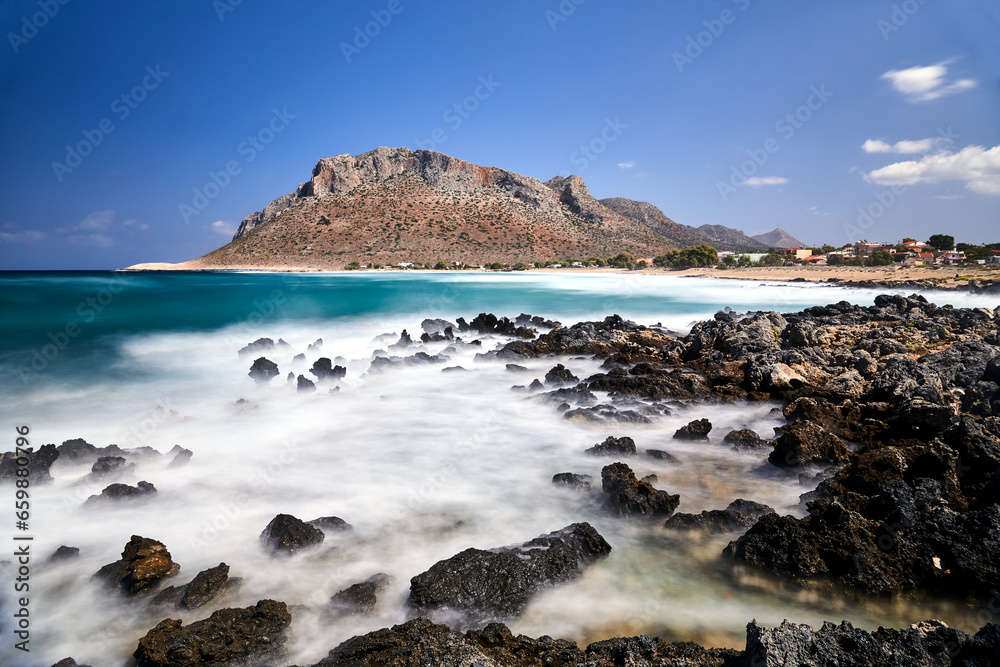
point(422, 463)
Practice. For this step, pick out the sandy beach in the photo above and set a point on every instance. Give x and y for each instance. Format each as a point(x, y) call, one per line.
point(951, 275)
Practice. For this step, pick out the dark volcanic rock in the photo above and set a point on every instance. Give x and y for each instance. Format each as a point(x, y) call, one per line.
point(746, 440)
point(488, 585)
point(331, 524)
point(802, 443)
point(612, 446)
point(119, 492)
point(107, 465)
point(361, 598)
point(628, 496)
point(560, 375)
point(68, 662)
point(661, 455)
point(64, 552)
point(205, 586)
point(572, 479)
point(263, 370)
point(696, 430)
point(259, 345)
point(251, 636)
point(144, 563)
point(324, 369)
point(287, 534)
point(38, 464)
point(304, 385)
point(181, 456)
point(740, 515)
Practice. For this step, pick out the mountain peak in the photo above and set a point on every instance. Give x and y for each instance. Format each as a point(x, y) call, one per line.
point(779, 238)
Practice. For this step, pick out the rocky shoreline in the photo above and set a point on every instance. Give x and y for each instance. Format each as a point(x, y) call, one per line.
point(892, 409)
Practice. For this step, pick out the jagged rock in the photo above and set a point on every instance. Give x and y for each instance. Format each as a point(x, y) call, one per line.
point(324, 369)
point(514, 368)
point(254, 635)
point(361, 598)
point(740, 515)
point(436, 326)
point(559, 375)
point(107, 465)
point(181, 456)
point(119, 492)
point(315, 346)
point(745, 440)
point(287, 534)
point(488, 585)
point(661, 455)
point(38, 469)
point(612, 446)
point(259, 345)
point(572, 479)
point(535, 385)
point(143, 565)
point(263, 370)
point(696, 430)
point(304, 385)
point(68, 662)
point(64, 552)
point(801, 443)
point(205, 586)
point(628, 496)
point(331, 524)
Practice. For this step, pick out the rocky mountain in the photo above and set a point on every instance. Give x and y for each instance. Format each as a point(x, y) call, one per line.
point(394, 205)
point(779, 238)
point(684, 236)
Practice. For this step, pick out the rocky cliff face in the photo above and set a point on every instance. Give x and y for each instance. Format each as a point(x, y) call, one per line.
point(718, 236)
point(339, 175)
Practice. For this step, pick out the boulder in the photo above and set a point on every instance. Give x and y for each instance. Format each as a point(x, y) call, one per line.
point(628, 496)
point(803, 443)
point(263, 370)
point(696, 430)
point(740, 515)
point(745, 440)
point(324, 369)
point(661, 455)
point(119, 492)
point(253, 635)
point(572, 479)
point(331, 524)
point(613, 446)
point(559, 375)
point(143, 565)
point(259, 345)
point(360, 598)
point(304, 385)
point(290, 535)
point(483, 585)
point(38, 469)
point(64, 552)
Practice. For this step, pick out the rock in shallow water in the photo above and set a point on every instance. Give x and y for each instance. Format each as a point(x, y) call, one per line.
point(479, 586)
point(613, 447)
point(628, 496)
point(287, 534)
point(251, 636)
point(696, 430)
point(144, 563)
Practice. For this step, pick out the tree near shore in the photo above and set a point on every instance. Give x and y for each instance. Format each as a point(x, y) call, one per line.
point(941, 241)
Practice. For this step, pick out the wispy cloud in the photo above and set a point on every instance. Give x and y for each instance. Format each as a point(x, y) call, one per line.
point(979, 167)
point(757, 181)
point(626, 165)
point(134, 222)
point(98, 221)
point(12, 233)
point(905, 147)
point(223, 227)
point(922, 84)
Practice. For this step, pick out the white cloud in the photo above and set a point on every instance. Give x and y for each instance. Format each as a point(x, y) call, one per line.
point(876, 146)
point(223, 227)
point(626, 165)
point(98, 221)
point(905, 147)
point(977, 166)
point(922, 84)
point(134, 222)
point(947, 197)
point(26, 236)
point(757, 181)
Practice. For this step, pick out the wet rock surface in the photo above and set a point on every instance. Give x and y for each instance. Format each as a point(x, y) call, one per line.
point(925, 644)
point(362, 597)
point(250, 636)
point(480, 586)
point(289, 535)
point(613, 446)
point(628, 496)
point(263, 370)
point(144, 564)
point(899, 401)
point(696, 430)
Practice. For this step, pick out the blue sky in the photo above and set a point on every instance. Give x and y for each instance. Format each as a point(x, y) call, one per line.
point(137, 132)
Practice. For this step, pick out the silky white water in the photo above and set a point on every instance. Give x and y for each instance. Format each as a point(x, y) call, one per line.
point(422, 463)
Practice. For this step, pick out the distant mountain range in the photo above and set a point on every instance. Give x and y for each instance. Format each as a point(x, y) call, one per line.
point(393, 205)
point(779, 238)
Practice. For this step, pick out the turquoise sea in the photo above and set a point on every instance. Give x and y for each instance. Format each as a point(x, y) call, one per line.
point(422, 463)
